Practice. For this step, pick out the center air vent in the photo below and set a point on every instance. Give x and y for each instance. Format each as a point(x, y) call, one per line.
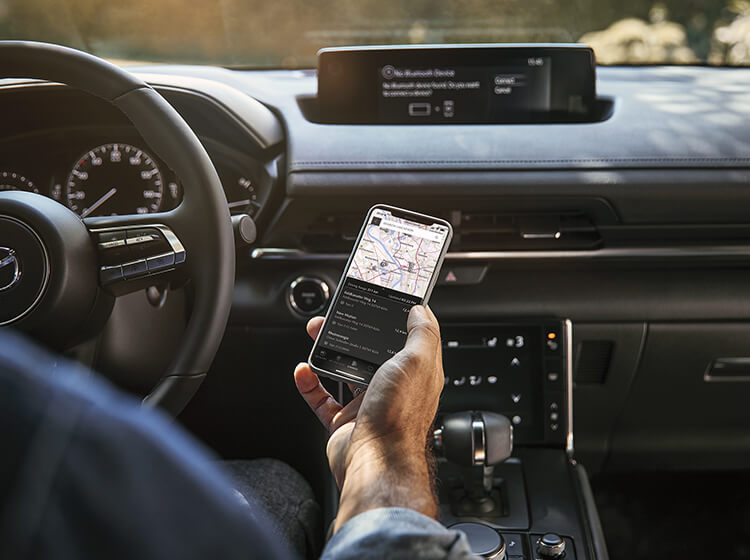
point(472, 231)
point(492, 231)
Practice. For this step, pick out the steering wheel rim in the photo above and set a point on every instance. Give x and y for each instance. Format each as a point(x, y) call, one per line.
point(201, 222)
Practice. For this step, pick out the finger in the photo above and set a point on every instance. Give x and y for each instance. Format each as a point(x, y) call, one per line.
point(348, 413)
point(423, 331)
point(313, 327)
point(317, 398)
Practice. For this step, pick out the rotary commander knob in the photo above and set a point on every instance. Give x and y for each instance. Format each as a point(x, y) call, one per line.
point(551, 545)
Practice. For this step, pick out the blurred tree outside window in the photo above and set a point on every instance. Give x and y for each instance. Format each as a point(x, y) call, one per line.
point(288, 33)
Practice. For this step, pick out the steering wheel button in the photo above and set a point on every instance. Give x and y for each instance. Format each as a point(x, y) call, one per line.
point(141, 239)
point(109, 274)
point(105, 245)
point(142, 232)
point(107, 236)
point(160, 262)
point(134, 269)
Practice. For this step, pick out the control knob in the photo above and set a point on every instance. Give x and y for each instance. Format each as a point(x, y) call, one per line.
point(550, 545)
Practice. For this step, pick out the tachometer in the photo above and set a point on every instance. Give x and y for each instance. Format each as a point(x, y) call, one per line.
point(12, 181)
point(114, 179)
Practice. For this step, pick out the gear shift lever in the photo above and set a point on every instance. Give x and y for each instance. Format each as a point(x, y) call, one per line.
point(477, 441)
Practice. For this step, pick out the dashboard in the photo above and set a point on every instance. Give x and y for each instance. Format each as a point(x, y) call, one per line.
point(634, 226)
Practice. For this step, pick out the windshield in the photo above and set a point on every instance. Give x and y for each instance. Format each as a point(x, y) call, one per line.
point(288, 33)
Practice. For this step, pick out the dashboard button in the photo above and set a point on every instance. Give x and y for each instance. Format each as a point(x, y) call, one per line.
point(134, 269)
point(462, 275)
point(308, 295)
point(513, 545)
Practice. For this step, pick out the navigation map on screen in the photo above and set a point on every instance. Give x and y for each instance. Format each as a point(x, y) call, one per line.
point(397, 254)
point(390, 271)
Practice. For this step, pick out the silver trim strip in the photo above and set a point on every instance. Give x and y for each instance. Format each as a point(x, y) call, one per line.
point(568, 326)
point(615, 253)
point(478, 444)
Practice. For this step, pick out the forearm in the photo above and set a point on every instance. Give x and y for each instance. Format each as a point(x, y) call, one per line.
point(396, 478)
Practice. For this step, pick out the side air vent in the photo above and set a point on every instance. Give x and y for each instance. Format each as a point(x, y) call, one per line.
point(591, 361)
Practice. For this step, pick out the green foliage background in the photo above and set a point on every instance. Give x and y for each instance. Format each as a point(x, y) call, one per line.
point(287, 33)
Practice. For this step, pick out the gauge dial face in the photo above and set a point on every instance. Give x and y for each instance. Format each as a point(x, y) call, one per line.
point(114, 179)
point(12, 181)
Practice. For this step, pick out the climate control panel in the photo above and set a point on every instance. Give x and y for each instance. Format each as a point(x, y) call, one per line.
point(520, 370)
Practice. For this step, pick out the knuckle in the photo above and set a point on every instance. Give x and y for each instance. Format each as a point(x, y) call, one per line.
point(412, 360)
point(428, 328)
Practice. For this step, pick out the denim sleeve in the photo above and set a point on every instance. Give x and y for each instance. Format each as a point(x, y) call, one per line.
point(86, 473)
point(396, 534)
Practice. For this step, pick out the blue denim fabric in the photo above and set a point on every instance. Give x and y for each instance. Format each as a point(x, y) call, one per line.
point(396, 534)
point(86, 473)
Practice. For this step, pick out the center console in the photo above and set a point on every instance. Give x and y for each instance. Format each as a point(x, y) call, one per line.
point(504, 437)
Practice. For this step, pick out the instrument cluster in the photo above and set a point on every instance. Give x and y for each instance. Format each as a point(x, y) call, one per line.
point(97, 173)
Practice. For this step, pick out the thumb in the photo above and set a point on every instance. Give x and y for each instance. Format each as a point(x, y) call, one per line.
point(423, 331)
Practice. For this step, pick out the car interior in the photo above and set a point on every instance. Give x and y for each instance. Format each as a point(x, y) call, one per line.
point(175, 207)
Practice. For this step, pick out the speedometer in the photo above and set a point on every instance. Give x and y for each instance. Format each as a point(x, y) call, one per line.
point(114, 179)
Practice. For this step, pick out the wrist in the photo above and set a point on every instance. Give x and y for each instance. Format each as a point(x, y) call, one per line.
point(377, 477)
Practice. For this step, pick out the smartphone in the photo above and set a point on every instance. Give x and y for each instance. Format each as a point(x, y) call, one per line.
point(393, 267)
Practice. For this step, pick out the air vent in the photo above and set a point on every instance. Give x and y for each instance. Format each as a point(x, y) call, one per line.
point(591, 361)
point(473, 231)
point(490, 231)
point(332, 233)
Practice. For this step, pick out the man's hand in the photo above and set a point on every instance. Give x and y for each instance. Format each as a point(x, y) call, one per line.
point(377, 444)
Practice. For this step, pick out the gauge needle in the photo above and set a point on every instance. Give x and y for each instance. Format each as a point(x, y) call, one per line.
point(238, 203)
point(8, 258)
point(109, 194)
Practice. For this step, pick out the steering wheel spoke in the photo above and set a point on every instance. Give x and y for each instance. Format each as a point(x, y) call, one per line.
point(136, 251)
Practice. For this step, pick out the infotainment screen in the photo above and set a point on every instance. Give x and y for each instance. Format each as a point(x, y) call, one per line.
point(456, 84)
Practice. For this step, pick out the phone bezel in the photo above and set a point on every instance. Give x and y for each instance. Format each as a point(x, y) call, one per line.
point(398, 213)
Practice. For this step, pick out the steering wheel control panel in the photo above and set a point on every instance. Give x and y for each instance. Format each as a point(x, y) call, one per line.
point(136, 252)
point(519, 370)
point(452, 84)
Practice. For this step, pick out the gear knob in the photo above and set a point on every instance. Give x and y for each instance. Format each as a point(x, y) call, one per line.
point(475, 438)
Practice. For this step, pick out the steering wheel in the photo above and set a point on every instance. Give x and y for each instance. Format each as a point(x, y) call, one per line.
point(59, 274)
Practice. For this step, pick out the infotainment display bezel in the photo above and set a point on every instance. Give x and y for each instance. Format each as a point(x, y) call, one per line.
point(349, 83)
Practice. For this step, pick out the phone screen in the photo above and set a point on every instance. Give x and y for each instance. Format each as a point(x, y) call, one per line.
point(391, 270)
